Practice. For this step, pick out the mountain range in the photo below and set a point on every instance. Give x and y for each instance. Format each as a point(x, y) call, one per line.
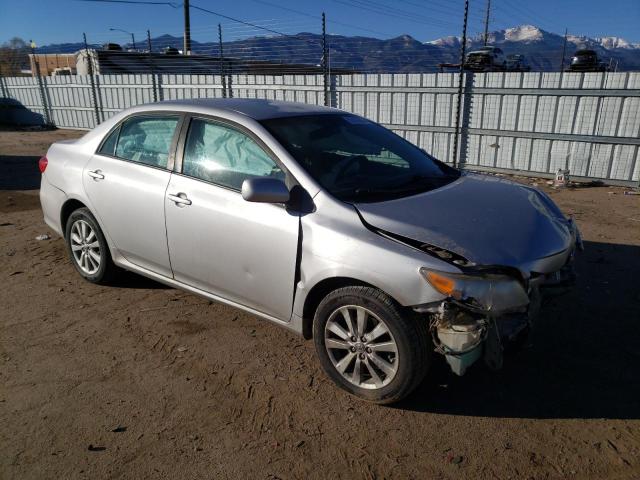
point(542, 49)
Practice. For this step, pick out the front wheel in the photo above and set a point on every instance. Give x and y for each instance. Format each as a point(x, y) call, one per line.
point(369, 345)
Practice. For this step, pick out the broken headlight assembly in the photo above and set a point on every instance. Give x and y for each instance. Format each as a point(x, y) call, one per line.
point(491, 293)
point(468, 318)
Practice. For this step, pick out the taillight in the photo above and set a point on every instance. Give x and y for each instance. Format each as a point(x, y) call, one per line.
point(42, 164)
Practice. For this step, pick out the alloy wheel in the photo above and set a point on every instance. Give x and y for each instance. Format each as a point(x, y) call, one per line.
point(85, 247)
point(361, 347)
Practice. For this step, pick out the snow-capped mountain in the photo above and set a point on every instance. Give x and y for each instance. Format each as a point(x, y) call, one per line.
point(450, 41)
point(615, 42)
point(544, 49)
point(523, 33)
point(532, 34)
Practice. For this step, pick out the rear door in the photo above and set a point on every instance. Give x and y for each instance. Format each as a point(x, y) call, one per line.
point(126, 182)
point(218, 242)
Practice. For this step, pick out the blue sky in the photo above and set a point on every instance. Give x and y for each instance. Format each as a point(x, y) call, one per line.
point(58, 21)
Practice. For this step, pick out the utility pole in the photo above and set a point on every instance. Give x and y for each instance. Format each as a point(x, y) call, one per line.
point(564, 49)
point(133, 38)
point(325, 70)
point(463, 48)
point(221, 62)
point(486, 23)
point(187, 29)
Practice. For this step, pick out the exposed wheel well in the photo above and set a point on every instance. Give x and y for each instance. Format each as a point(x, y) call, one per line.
point(317, 293)
point(67, 209)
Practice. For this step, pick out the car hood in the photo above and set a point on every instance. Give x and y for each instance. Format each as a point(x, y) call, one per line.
point(487, 220)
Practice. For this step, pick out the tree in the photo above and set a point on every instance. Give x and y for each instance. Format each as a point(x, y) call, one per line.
point(14, 56)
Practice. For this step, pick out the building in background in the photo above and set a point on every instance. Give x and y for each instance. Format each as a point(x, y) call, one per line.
point(106, 62)
point(53, 63)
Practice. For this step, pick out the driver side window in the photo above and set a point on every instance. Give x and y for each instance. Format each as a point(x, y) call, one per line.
point(225, 156)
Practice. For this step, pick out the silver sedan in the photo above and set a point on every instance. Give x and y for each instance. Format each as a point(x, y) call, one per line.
point(318, 220)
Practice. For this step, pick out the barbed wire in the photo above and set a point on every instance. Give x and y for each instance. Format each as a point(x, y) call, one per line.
point(296, 44)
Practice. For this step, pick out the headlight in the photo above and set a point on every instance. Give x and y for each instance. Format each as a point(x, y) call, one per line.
point(488, 292)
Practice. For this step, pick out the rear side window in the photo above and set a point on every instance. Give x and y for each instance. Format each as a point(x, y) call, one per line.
point(109, 145)
point(225, 156)
point(146, 140)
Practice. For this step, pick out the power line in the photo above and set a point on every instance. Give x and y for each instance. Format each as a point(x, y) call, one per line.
point(446, 9)
point(202, 9)
point(240, 21)
point(384, 10)
point(139, 2)
point(315, 17)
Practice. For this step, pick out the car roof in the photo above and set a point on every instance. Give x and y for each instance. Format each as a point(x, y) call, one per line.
point(258, 109)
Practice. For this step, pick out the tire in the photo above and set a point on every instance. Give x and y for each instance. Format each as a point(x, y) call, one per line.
point(402, 370)
point(101, 270)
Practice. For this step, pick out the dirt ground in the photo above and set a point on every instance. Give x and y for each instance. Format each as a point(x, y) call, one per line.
point(137, 380)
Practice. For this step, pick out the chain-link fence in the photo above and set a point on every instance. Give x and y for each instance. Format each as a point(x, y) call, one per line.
point(534, 122)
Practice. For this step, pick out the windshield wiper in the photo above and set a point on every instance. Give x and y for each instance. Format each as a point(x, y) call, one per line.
point(414, 184)
point(419, 177)
point(400, 189)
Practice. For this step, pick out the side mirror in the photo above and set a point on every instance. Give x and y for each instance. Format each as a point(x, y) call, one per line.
point(265, 190)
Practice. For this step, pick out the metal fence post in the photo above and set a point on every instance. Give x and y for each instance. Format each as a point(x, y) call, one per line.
point(41, 87)
point(564, 51)
point(333, 90)
point(230, 79)
point(463, 47)
point(465, 115)
point(153, 74)
point(94, 96)
point(325, 69)
point(221, 62)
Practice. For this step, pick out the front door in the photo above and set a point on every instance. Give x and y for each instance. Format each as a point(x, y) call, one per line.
point(218, 242)
point(126, 182)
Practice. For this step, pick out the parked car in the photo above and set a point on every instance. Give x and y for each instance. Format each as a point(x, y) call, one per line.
point(62, 71)
point(586, 61)
point(112, 47)
point(318, 220)
point(485, 59)
point(516, 63)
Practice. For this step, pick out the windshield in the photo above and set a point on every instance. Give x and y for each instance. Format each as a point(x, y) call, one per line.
point(357, 160)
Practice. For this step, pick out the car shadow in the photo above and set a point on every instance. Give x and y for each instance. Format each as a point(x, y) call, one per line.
point(581, 361)
point(15, 114)
point(19, 172)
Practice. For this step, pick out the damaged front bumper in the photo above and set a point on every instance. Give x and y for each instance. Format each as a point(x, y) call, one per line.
point(485, 314)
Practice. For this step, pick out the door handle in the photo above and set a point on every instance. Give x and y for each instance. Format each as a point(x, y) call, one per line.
point(96, 174)
point(179, 198)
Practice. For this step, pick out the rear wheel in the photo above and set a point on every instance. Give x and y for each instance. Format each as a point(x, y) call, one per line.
point(369, 345)
point(88, 248)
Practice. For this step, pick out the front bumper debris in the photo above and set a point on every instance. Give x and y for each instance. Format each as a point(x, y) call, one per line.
point(463, 333)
